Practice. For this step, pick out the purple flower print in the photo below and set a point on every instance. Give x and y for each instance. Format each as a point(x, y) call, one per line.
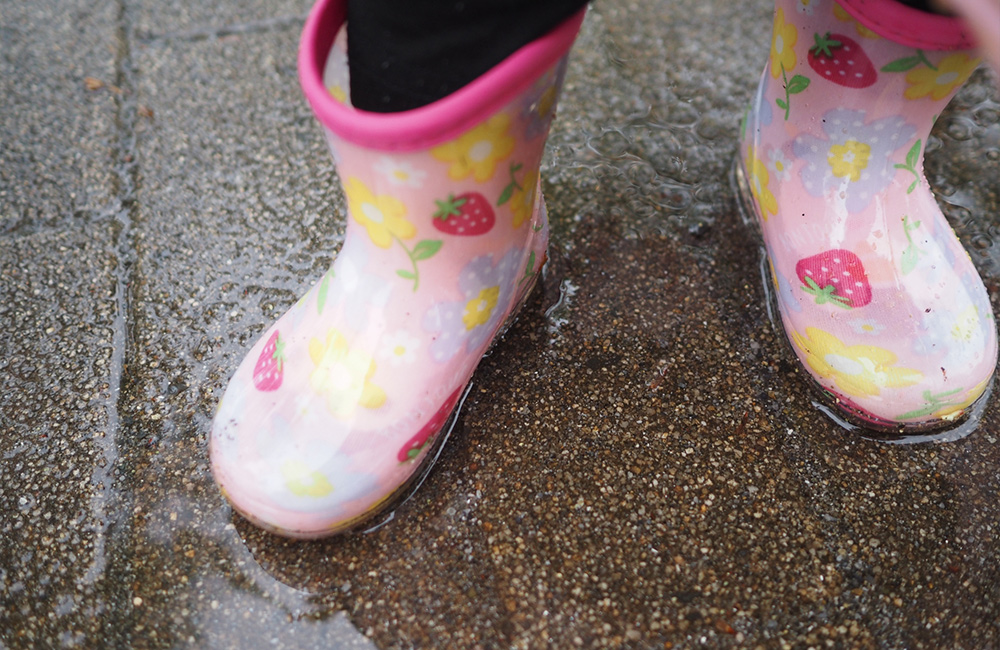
point(855, 159)
point(470, 322)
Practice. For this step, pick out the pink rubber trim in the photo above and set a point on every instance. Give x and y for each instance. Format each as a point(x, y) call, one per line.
point(910, 27)
point(432, 124)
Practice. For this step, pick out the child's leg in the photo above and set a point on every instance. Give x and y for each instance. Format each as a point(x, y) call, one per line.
point(408, 53)
point(983, 18)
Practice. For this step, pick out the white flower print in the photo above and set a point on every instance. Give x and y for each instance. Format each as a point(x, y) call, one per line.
point(779, 164)
point(398, 348)
point(866, 326)
point(400, 173)
point(315, 478)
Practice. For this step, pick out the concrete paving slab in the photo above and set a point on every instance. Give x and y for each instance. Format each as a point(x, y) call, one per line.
point(153, 20)
point(57, 135)
point(60, 360)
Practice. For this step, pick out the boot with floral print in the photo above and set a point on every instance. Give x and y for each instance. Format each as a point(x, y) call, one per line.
point(335, 409)
point(880, 302)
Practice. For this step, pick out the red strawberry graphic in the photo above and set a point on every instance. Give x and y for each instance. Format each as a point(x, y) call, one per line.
point(836, 277)
point(269, 371)
point(840, 59)
point(416, 444)
point(466, 214)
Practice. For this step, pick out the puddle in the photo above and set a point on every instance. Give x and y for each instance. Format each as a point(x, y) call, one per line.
point(558, 315)
point(221, 597)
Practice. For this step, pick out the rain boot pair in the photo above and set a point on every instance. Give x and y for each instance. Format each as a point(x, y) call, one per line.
point(342, 402)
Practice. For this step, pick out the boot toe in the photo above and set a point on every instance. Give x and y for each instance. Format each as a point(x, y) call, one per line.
point(908, 369)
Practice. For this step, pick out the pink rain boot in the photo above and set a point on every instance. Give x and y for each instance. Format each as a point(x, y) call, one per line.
point(882, 305)
point(338, 405)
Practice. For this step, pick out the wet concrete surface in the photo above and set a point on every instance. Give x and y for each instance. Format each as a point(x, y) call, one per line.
point(639, 463)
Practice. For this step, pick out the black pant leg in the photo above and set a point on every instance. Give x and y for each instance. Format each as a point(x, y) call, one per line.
point(408, 53)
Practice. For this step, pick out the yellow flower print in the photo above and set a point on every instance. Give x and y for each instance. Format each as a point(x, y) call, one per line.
point(759, 178)
point(478, 150)
point(522, 201)
point(842, 14)
point(547, 101)
point(966, 325)
point(951, 73)
point(783, 39)
point(478, 310)
point(858, 370)
point(383, 216)
point(952, 411)
point(337, 92)
point(343, 375)
point(849, 159)
point(304, 482)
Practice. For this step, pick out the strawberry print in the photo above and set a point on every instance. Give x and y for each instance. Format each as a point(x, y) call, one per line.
point(840, 59)
point(467, 215)
point(269, 371)
point(416, 444)
point(837, 277)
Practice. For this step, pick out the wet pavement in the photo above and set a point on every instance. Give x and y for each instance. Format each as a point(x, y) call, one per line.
point(639, 462)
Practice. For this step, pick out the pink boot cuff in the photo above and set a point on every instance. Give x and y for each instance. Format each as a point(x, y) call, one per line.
point(437, 122)
point(910, 27)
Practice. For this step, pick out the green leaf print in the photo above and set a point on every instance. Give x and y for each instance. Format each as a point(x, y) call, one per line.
point(324, 288)
point(912, 159)
point(909, 260)
point(825, 294)
point(908, 63)
point(797, 84)
point(902, 65)
point(529, 270)
point(508, 191)
point(424, 249)
point(911, 256)
point(934, 403)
